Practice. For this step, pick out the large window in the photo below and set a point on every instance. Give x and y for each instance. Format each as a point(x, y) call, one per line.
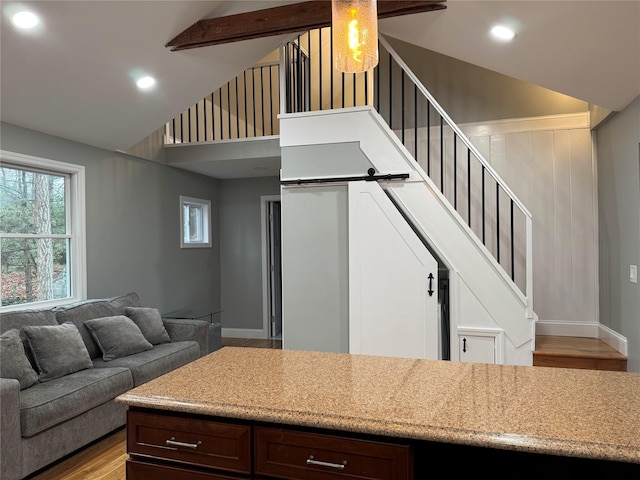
point(42, 243)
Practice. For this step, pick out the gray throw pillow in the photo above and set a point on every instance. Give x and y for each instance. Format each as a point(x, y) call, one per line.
point(149, 321)
point(117, 336)
point(57, 350)
point(14, 363)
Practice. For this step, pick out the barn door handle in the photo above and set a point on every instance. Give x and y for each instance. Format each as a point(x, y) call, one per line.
point(430, 291)
point(464, 345)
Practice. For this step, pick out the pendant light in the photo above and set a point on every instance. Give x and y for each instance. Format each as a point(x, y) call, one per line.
point(354, 30)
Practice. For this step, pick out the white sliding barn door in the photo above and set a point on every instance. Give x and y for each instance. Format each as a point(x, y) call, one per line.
point(391, 311)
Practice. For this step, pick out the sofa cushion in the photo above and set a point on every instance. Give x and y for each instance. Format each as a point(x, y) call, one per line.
point(117, 336)
point(17, 320)
point(150, 364)
point(47, 404)
point(78, 312)
point(57, 350)
point(150, 323)
point(14, 362)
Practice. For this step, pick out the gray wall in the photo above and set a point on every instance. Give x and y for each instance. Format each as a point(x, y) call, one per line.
point(241, 250)
point(315, 274)
point(469, 93)
point(324, 160)
point(315, 277)
point(133, 223)
point(618, 147)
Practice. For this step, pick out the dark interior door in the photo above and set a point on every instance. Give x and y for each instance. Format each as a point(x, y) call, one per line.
point(275, 252)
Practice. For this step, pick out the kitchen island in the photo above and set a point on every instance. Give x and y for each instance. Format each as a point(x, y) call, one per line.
point(261, 413)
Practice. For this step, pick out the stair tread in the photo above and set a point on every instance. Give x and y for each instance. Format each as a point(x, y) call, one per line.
point(575, 347)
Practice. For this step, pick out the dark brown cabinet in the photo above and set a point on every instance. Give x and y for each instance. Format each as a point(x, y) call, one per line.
point(189, 441)
point(285, 453)
point(165, 445)
point(141, 470)
point(169, 445)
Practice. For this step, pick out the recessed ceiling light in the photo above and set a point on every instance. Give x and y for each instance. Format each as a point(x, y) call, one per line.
point(503, 33)
point(146, 82)
point(25, 19)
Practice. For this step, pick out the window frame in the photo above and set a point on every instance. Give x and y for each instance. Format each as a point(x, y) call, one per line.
point(75, 206)
point(206, 222)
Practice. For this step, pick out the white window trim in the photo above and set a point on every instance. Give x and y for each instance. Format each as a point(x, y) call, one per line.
point(206, 204)
point(77, 222)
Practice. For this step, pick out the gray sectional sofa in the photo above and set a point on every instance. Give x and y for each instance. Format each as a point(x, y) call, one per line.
point(62, 368)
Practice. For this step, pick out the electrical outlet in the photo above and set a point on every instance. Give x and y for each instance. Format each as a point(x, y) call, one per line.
point(633, 273)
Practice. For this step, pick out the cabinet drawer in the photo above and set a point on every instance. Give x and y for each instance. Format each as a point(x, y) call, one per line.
point(137, 470)
point(291, 454)
point(192, 441)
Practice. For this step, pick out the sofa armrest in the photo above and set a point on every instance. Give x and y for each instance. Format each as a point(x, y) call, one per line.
point(180, 330)
point(10, 437)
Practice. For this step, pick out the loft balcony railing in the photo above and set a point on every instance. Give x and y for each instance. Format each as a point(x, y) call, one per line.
point(245, 107)
point(312, 84)
point(248, 106)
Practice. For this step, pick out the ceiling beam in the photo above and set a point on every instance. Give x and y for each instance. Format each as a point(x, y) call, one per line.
point(292, 18)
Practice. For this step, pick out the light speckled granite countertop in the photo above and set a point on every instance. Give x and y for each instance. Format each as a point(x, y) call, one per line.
point(582, 413)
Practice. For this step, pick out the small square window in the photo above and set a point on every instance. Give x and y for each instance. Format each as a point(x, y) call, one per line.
point(195, 218)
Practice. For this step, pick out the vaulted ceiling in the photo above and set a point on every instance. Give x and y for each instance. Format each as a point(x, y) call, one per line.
point(74, 76)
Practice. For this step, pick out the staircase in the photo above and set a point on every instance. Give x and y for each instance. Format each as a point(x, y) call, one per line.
point(446, 169)
point(400, 129)
point(577, 352)
point(249, 105)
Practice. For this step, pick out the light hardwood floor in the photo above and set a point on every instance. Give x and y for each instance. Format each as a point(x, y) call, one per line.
point(105, 459)
point(577, 352)
point(251, 342)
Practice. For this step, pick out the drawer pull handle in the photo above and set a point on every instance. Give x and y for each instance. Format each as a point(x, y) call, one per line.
point(173, 443)
point(312, 461)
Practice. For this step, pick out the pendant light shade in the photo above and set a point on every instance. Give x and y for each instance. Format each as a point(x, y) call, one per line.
point(354, 30)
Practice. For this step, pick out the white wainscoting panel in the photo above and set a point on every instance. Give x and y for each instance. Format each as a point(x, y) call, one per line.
point(552, 172)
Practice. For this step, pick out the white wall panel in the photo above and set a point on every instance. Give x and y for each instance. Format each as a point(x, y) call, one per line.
point(520, 171)
point(583, 231)
point(552, 173)
point(562, 205)
point(544, 227)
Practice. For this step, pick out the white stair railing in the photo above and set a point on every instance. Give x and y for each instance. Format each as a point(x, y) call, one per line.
point(456, 167)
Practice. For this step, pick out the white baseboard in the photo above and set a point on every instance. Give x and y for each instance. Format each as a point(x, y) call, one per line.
point(590, 330)
point(562, 328)
point(244, 333)
point(613, 339)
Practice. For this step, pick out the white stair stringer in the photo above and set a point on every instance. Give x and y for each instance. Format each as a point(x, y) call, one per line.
point(486, 296)
point(477, 277)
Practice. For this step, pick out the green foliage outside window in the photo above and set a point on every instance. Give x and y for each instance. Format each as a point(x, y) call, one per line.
point(34, 245)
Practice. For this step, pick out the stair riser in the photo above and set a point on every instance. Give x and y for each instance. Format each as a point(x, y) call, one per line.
point(565, 361)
